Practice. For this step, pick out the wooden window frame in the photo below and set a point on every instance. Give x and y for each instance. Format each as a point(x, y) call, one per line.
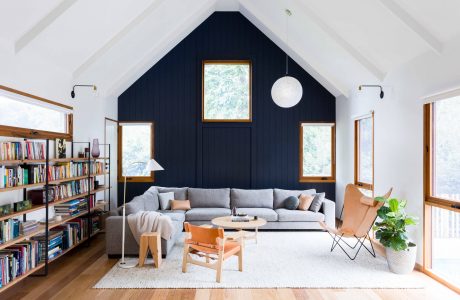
point(226, 62)
point(429, 199)
point(362, 185)
point(13, 131)
point(303, 178)
point(120, 176)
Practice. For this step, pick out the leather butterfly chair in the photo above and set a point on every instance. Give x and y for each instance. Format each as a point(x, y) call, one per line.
point(360, 213)
point(211, 244)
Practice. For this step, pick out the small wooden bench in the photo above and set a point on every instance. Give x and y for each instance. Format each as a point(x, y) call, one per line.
point(150, 241)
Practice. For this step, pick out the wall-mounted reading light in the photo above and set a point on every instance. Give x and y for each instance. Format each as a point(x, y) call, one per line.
point(72, 93)
point(382, 94)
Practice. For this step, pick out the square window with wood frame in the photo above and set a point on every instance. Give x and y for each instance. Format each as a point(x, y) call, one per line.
point(29, 116)
point(317, 152)
point(364, 153)
point(135, 148)
point(226, 91)
point(442, 189)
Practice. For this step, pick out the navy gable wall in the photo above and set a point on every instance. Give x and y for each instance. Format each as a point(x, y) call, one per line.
point(261, 154)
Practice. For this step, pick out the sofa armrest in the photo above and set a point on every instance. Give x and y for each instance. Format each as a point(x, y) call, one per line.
point(116, 212)
point(328, 209)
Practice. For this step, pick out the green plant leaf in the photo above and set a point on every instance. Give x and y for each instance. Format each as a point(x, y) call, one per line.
point(382, 212)
point(394, 205)
point(403, 203)
point(380, 199)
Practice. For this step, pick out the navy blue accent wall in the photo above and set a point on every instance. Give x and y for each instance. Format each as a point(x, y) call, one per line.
point(261, 154)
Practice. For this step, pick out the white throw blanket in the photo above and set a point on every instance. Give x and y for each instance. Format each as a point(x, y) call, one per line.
point(150, 221)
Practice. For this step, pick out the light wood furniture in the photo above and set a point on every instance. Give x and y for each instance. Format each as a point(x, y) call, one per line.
point(211, 244)
point(150, 241)
point(226, 222)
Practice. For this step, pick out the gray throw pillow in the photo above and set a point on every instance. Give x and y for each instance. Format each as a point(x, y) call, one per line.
point(291, 203)
point(165, 200)
point(317, 202)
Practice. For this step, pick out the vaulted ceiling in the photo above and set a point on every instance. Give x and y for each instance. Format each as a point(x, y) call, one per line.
point(112, 42)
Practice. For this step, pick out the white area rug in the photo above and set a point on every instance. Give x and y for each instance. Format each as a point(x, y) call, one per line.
point(279, 260)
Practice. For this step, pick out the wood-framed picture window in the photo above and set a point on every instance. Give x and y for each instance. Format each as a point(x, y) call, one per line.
point(442, 189)
point(364, 153)
point(317, 152)
point(226, 91)
point(29, 116)
point(135, 149)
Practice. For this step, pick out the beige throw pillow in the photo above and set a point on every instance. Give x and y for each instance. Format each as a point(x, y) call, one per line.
point(180, 204)
point(305, 201)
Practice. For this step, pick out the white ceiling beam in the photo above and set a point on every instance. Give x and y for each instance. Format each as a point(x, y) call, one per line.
point(42, 24)
point(337, 38)
point(160, 49)
point(309, 64)
point(404, 17)
point(116, 38)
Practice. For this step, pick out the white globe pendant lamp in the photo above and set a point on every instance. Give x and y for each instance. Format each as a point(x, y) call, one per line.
point(287, 90)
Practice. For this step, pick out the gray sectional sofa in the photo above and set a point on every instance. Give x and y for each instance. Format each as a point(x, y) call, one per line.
point(207, 204)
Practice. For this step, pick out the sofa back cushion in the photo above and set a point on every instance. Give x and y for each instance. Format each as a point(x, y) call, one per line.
point(252, 198)
point(280, 195)
point(179, 193)
point(150, 198)
point(209, 197)
point(135, 205)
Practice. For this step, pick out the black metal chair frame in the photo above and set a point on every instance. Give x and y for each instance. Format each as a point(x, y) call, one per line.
point(337, 238)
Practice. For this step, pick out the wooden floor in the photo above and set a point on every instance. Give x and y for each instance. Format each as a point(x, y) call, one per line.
point(72, 277)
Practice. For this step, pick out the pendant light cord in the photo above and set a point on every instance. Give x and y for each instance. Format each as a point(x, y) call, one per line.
point(288, 13)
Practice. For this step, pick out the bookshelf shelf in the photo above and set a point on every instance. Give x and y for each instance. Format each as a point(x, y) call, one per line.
point(89, 229)
point(41, 206)
point(19, 278)
point(51, 160)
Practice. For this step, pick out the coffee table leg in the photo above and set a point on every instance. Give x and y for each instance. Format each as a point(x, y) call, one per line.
point(257, 231)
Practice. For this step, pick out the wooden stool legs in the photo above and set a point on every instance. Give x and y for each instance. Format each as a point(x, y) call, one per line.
point(152, 241)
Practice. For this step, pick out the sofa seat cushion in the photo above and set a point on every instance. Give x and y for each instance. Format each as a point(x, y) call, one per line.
point(175, 215)
point(209, 198)
point(252, 198)
point(280, 195)
point(286, 215)
point(206, 214)
point(266, 213)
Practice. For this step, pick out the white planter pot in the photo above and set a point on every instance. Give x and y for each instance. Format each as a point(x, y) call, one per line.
point(401, 262)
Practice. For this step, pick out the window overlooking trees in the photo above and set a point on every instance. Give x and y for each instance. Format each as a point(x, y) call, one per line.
point(226, 91)
point(442, 188)
point(135, 142)
point(31, 116)
point(317, 152)
point(364, 153)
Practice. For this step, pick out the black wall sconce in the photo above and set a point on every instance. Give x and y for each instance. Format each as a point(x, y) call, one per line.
point(72, 93)
point(382, 94)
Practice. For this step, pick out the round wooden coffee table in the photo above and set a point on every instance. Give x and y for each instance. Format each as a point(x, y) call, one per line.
point(226, 222)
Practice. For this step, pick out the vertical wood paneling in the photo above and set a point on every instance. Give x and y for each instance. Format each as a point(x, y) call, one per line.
point(170, 94)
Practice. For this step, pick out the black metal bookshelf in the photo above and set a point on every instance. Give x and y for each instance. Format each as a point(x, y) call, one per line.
point(92, 190)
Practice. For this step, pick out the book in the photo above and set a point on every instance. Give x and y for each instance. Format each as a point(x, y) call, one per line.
point(61, 148)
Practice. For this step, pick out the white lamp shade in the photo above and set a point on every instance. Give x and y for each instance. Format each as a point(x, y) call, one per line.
point(287, 91)
point(152, 165)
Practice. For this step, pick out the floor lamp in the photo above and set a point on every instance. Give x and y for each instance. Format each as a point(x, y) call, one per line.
point(150, 166)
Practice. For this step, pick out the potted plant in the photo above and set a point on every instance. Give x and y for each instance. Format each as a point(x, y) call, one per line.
point(390, 230)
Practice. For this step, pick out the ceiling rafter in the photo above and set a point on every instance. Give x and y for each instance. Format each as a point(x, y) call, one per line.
point(357, 55)
point(161, 48)
point(116, 38)
point(308, 64)
point(404, 17)
point(42, 24)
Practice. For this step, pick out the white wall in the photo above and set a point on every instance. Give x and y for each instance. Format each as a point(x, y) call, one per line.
point(42, 79)
point(398, 127)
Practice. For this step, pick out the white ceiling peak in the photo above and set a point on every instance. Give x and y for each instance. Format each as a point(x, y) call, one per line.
point(41, 25)
point(413, 25)
point(358, 56)
point(309, 64)
point(116, 38)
